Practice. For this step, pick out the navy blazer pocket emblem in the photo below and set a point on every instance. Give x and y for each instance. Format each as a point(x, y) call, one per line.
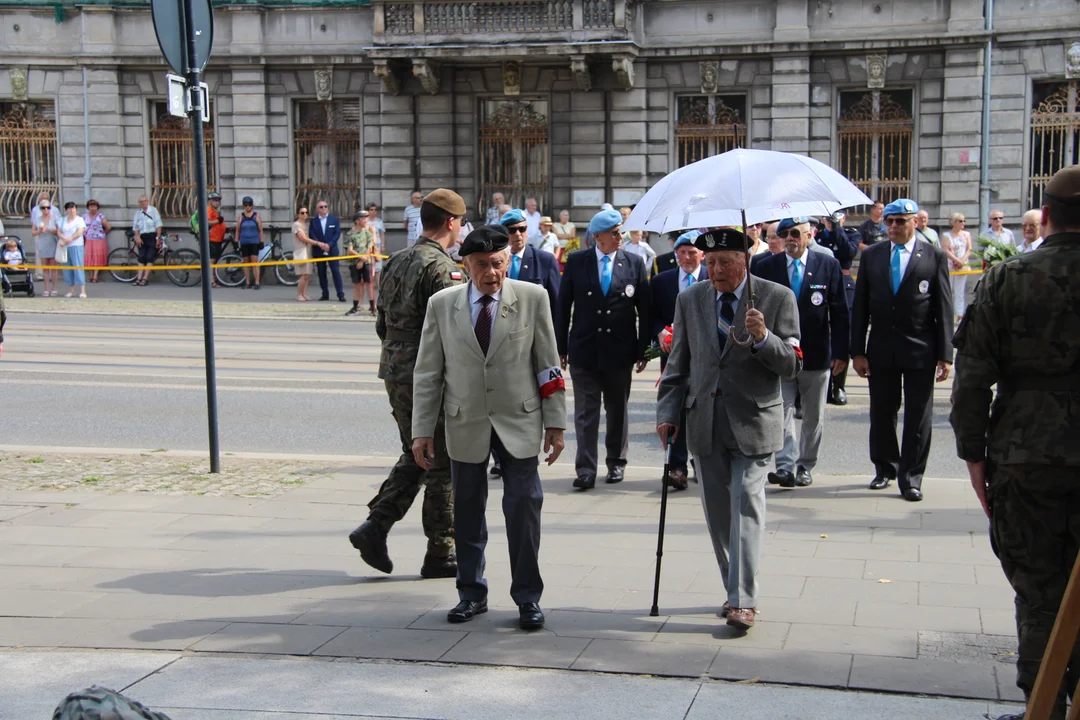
point(924, 286)
point(817, 298)
point(629, 291)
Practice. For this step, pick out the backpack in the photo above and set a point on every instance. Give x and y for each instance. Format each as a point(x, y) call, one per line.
point(193, 223)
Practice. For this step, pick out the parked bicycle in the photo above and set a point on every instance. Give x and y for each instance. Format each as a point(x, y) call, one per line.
point(234, 276)
point(127, 257)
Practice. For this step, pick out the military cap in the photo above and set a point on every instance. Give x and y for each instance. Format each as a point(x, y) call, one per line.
point(485, 239)
point(447, 200)
point(1065, 186)
point(903, 206)
point(721, 239)
point(360, 214)
point(605, 220)
point(788, 223)
point(687, 238)
point(512, 217)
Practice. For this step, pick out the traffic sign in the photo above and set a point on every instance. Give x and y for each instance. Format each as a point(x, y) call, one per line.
point(173, 40)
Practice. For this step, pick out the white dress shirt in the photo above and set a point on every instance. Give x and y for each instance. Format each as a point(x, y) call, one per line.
point(475, 307)
point(322, 223)
point(683, 275)
point(600, 264)
point(905, 257)
point(802, 263)
point(1025, 248)
point(532, 221)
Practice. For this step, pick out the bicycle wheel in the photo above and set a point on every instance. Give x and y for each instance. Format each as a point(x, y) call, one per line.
point(183, 278)
point(125, 257)
point(229, 276)
point(286, 274)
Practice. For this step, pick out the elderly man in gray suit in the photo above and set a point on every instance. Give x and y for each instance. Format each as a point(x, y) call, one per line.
point(734, 408)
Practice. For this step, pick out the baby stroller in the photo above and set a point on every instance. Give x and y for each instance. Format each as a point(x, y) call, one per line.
point(15, 280)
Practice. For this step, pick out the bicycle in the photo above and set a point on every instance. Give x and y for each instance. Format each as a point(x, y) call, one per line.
point(234, 276)
point(128, 257)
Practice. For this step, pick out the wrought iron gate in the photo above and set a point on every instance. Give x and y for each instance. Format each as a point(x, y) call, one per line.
point(514, 152)
point(1055, 135)
point(875, 130)
point(172, 163)
point(327, 155)
point(707, 125)
point(28, 163)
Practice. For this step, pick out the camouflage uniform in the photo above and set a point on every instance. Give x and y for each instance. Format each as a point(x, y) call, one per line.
point(98, 703)
point(1022, 331)
point(409, 278)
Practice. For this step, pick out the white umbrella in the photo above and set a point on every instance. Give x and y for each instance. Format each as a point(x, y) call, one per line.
point(743, 186)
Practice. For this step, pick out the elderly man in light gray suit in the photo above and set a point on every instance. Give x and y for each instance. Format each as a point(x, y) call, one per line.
point(488, 359)
point(734, 408)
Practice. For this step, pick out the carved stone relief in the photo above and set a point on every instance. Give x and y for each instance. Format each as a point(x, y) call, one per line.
point(875, 71)
point(385, 71)
point(511, 76)
point(18, 83)
point(624, 71)
point(580, 68)
point(324, 84)
point(1072, 61)
point(710, 76)
point(427, 73)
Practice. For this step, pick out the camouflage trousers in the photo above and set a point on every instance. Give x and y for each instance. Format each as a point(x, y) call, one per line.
point(400, 488)
point(1035, 532)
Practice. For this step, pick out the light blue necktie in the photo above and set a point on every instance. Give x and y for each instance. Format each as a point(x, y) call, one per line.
point(515, 267)
point(895, 265)
point(689, 282)
point(605, 276)
point(796, 277)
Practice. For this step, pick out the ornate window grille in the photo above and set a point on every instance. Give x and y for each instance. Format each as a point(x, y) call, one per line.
point(514, 152)
point(875, 130)
point(1055, 135)
point(326, 142)
point(28, 164)
point(172, 162)
point(707, 125)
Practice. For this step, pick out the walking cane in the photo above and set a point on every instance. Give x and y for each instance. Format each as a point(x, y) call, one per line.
point(660, 539)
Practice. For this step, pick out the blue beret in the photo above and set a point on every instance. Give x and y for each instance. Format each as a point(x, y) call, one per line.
point(512, 217)
point(484, 239)
point(787, 223)
point(604, 221)
point(903, 206)
point(687, 238)
point(721, 239)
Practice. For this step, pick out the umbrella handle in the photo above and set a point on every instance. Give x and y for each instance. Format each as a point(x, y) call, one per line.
point(749, 339)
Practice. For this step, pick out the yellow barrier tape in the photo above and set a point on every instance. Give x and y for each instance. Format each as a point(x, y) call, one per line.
point(214, 266)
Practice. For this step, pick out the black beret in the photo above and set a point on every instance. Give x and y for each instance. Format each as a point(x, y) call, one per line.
point(721, 239)
point(485, 239)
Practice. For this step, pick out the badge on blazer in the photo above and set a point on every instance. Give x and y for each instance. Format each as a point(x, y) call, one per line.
point(817, 298)
point(924, 286)
point(629, 291)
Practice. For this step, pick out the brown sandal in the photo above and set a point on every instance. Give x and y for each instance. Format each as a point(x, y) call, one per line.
point(742, 618)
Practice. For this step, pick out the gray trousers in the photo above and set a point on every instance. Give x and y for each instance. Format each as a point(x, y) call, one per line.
point(733, 494)
point(611, 387)
point(813, 385)
point(522, 499)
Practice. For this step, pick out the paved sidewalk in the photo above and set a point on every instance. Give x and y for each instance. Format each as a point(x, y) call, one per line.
point(860, 590)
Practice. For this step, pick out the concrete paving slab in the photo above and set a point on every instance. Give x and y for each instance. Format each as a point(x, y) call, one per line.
point(919, 572)
point(964, 596)
point(142, 634)
point(918, 617)
point(612, 626)
point(646, 658)
point(714, 631)
point(887, 642)
point(998, 622)
point(923, 676)
point(270, 639)
point(393, 644)
point(538, 650)
point(737, 663)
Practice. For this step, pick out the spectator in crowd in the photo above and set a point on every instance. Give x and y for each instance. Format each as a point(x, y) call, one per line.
point(923, 231)
point(148, 228)
point(379, 231)
point(359, 245)
point(325, 229)
point(493, 214)
point(753, 232)
point(463, 232)
point(774, 244)
point(957, 246)
point(532, 219)
point(549, 241)
point(816, 228)
point(11, 254)
point(35, 216)
point(564, 229)
point(44, 232)
point(70, 237)
point(642, 249)
point(1031, 228)
point(216, 232)
point(998, 231)
point(302, 244)
point(249, 234)
point(96, 238)
point(412, 219)
point(873, 228)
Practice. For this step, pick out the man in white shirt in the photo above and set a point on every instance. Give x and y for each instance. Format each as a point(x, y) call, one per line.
point(412, 219)
point(549, 241)
point(998, 231)
point(532, 219)
point(493, 212)
point(1031, 230)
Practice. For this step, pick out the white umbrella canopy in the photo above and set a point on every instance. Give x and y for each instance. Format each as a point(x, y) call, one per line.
point(750, 185)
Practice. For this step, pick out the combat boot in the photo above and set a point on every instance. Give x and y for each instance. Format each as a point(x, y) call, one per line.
point(370, 540)
point(439, 567)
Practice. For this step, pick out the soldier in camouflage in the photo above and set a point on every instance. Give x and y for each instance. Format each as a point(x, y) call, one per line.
point(409, 278)
point(98, 703)
point(1022, 332)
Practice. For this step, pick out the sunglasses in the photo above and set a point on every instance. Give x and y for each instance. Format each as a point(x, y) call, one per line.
point(997, 218)
point(321, 207)
point(46, 207)
point(302, 212)
point(897, 220)
point(518, 229)
point(791, 232)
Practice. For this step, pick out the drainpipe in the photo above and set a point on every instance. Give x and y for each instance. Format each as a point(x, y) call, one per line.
point(984, 151)
point(86, 136)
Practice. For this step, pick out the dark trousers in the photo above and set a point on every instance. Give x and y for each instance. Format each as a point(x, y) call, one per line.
point(610, 386)
point(679, 453)
point(916, 387)
point(840, 381)
point(335, 270)
point(522, 500)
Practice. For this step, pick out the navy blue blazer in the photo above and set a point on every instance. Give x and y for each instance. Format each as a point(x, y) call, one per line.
point(598, 331)
point(540, 268)
point(333, 230)
point(665, 290)
point(824, 322)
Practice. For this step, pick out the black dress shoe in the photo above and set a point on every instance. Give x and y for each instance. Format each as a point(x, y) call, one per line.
point(371, 542)
point(466, 610)
point(341, 298)
point(324, 298)
point(496, 471)
point(912, 494)
point(803, 477)
point(439, 567)
point(532, 618)
point(838, 397)
point(614, 474)
point(880, 483)
point(783, 478)
point(585, 482)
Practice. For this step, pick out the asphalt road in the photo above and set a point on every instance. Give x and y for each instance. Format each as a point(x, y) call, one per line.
point(285, 387)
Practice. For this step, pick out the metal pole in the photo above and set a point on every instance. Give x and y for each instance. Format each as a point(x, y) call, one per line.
point(199, 150)
point(984, 150)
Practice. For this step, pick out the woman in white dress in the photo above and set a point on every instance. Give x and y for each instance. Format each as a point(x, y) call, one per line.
point(956, 242)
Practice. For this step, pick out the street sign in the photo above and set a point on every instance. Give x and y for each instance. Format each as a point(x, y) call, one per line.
point(177, 94)
point(169, 27)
